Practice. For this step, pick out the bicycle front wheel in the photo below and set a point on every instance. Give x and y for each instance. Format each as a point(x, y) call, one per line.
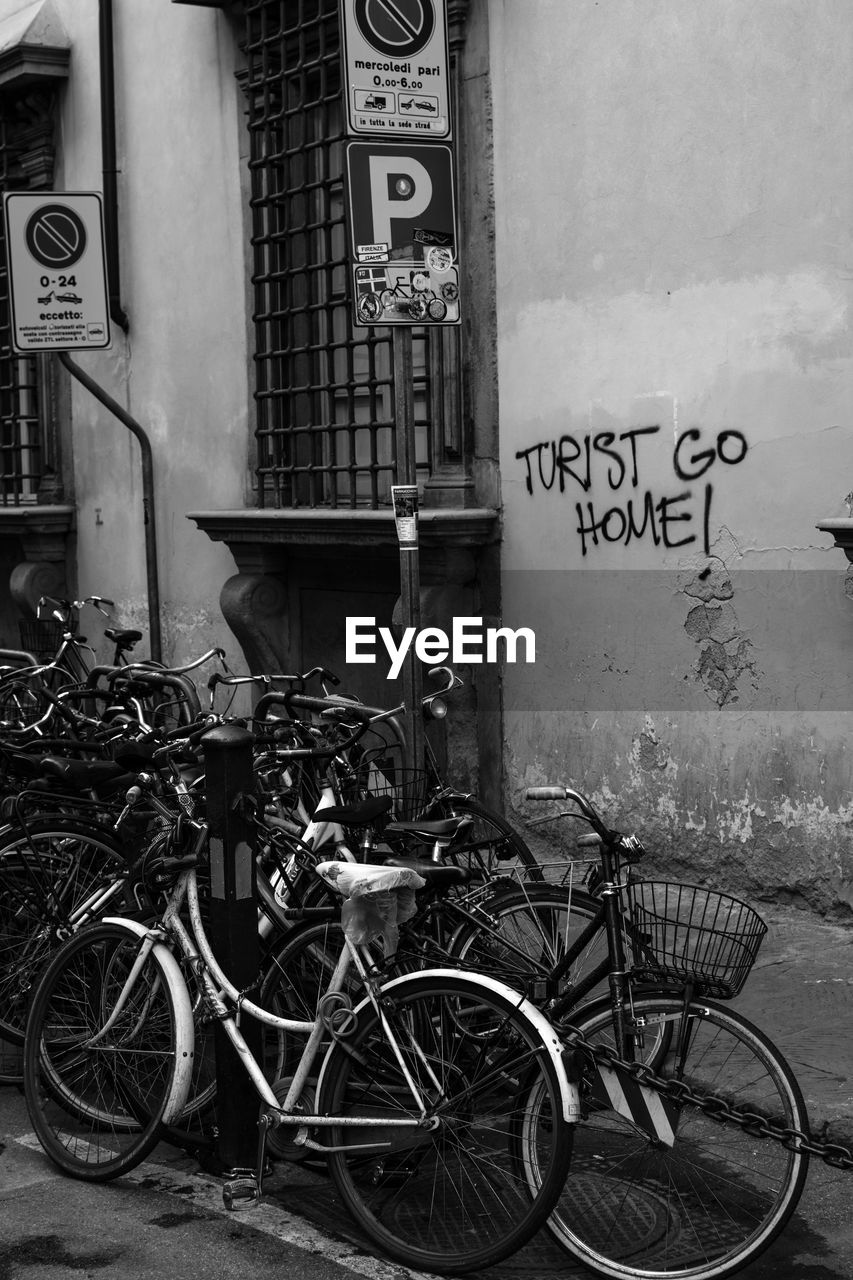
point(707, 1205)
point(54, 876)
point(454, 1192)
point(520, 933)
point(98, 1089)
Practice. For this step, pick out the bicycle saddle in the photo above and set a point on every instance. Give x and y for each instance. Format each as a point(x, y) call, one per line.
point(83, 774)
point(437, 874)
point(124, 638)
point(442, 829)
point(354, 815)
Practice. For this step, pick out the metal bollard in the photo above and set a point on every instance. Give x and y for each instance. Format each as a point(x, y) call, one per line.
point(233, 934)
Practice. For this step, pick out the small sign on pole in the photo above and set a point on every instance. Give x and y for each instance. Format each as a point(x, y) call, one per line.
point(57, 270)
point(405, 499)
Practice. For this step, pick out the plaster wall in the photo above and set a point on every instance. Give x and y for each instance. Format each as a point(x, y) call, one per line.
point(673, 247)
point(181, 370)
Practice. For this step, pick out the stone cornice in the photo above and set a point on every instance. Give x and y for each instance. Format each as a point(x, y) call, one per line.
point(21, 520)
point(841, 529)
point(439, 527)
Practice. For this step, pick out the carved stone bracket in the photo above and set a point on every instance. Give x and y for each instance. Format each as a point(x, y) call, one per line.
point(255, 607)
point(43, 533)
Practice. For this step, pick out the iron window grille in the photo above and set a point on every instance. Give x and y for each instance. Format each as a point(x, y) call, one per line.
point(324, 387)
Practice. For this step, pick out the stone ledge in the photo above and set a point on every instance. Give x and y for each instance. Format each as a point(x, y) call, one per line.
point(439, 527)
point(841, 529)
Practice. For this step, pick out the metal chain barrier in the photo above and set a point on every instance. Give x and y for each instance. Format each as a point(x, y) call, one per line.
point(716, 1107)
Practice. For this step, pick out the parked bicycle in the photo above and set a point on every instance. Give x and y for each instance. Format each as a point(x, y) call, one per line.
point(441, 1104)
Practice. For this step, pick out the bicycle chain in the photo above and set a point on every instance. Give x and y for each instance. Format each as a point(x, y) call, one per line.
point(716, 1107)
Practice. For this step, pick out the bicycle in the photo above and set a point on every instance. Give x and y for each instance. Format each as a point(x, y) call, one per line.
point(442, 1097)
point(36, 697)
point(672, 1173)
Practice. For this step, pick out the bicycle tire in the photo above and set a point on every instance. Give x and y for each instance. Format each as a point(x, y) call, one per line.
point(99, 1108)
point(458, 1197)
point(707, 1206)
point(47, 874)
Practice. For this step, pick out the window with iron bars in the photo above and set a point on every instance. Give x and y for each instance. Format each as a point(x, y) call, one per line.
point(324, 387)
point(20, 423)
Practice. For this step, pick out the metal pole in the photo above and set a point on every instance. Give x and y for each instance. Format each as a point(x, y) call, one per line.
point(155, 638)
point(233, 934)
point(410, 577)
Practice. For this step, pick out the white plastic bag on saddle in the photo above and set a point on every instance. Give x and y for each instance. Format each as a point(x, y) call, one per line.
point(377, 900)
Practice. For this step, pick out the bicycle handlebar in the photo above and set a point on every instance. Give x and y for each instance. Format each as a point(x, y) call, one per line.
point(140, 667)
point(629, 847)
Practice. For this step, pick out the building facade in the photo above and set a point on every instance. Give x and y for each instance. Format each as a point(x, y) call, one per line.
point(624, 447)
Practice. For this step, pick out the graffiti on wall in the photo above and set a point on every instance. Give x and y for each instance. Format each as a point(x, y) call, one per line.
point(621, 510)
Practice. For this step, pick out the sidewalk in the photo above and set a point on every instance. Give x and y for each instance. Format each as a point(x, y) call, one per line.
point(800, 994)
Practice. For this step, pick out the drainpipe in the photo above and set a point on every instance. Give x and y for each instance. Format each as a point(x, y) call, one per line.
point(147, 496)
point(118, 315)
point(108, 159)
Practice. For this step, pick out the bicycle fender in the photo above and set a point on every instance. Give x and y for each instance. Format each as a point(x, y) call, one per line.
point(184, 1027)
point(568, 1090)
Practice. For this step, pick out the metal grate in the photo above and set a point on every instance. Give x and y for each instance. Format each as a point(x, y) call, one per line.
point(20, 429)
point(324, 387)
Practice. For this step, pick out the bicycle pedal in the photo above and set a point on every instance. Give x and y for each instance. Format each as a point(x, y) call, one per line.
point(241, 1193)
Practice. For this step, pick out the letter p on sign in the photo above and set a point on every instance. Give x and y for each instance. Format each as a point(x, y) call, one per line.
point(397, 192)
point(394, 189)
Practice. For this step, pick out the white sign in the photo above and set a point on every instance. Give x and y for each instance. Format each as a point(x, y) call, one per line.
point(396, 63)
point(57, 270)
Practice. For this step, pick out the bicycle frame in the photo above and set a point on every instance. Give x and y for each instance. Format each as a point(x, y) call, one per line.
point(196, 947)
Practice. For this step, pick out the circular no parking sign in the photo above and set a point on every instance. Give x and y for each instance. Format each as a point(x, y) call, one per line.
point(398, 28)
point(56, 236)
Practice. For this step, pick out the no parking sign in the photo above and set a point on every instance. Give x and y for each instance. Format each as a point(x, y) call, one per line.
point(395, 61)
point(57, 270)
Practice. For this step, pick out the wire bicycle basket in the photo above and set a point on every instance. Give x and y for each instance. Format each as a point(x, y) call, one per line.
point(683, 933)
point(407, 787)
point(42, 637)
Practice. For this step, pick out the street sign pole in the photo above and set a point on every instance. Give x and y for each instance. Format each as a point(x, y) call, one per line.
point(410, 576)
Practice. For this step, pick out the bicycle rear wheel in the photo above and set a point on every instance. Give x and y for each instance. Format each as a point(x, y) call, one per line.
point(706, 1206)
point(455, 1193)
point(521, 932)
point(98, 1099)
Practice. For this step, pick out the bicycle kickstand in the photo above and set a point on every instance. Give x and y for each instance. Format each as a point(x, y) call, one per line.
point(245, 1188)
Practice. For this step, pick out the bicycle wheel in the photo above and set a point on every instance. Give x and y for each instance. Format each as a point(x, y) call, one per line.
point(54, 877)
point(454, 1193)
point(296, 976)
point(707, 1205)
point(521, 932)
point(99, 1093)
